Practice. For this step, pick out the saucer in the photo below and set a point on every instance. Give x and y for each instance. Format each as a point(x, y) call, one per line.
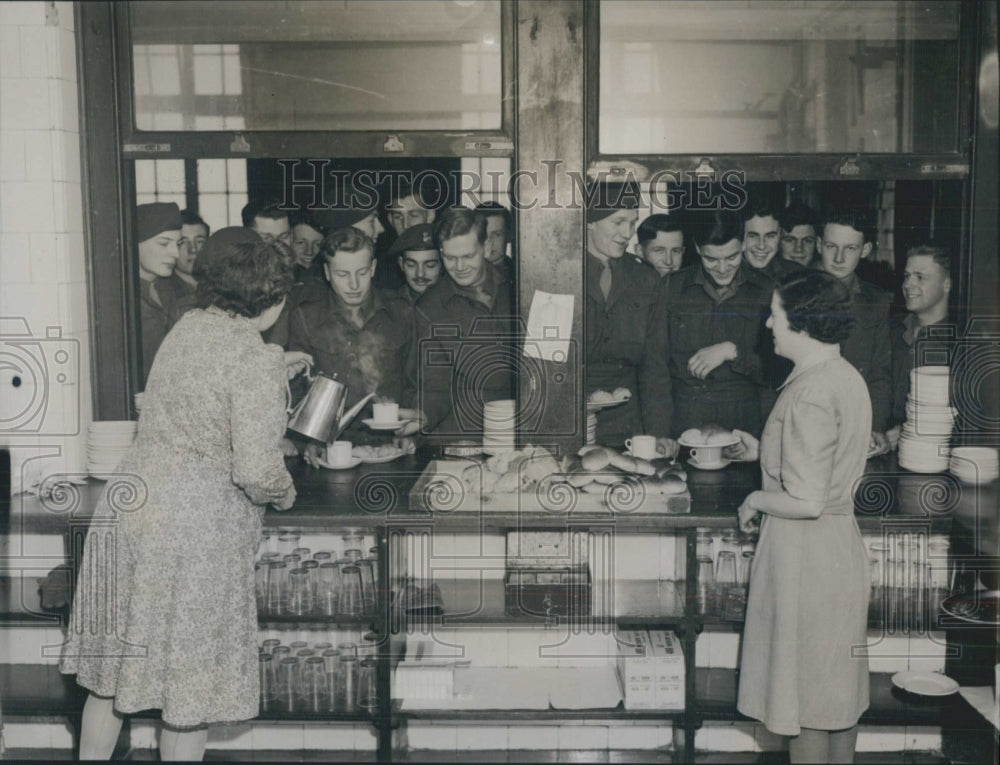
point(596, 406)
point(925, 683)
point(355, 461)
point(376, 425)
point(713, 466)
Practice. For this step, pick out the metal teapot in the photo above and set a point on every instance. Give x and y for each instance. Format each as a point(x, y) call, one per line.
point(320, 414)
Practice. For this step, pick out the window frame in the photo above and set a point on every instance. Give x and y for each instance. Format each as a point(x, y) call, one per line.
point(788, 166)
point(277, 144)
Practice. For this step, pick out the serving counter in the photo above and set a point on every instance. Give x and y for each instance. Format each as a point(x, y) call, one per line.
point(889, 501)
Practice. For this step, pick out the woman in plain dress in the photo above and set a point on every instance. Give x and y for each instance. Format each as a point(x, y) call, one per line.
point(164, 614)
point(804, 668)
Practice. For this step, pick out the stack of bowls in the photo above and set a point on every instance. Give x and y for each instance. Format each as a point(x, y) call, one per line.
point(499, 418)
point(923, 443)
point(975, 464)
point(591, 428)
point(107, 443)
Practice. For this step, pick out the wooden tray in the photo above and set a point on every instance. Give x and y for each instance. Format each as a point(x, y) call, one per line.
point(440, 489)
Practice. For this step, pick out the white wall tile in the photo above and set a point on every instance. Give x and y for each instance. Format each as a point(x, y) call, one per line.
point(888, 653)
point(27, 207)
point(35, 52)
point(724, 650)
point(68, 200)
point(62, 54)
point(583, 737)
point(533, 737)
point(703, 649)
point(65, 15)
point(71, 252)
point(236, 736)
point(72, 306)
point(12, 156)
point(636, 557)
point(46, 268)
point(15, 268)
point(481, 737)
point(10, 51)
point(22, 13)
point(20, 735)
point(65, 156)
point(726, 737)
point(38, 305)
point(274, 736)
point(881, 739)
point(431, 736)
point(637, 736)
point(25, 103)
point(328, 737)
point(37, 155)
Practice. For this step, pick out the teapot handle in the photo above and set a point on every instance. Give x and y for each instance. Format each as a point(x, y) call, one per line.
point(289, 409)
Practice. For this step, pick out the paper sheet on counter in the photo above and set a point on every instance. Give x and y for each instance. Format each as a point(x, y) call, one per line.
point(550, 325)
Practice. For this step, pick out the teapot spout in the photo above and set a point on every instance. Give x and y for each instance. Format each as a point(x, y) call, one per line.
point(350, 414)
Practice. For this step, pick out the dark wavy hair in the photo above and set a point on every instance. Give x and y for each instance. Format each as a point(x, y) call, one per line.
point(818, 304)
point(245, 278)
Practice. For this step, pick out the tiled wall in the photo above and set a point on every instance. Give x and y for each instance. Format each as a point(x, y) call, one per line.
point(42, 263)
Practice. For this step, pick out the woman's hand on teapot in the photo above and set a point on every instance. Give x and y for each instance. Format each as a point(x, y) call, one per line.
point(747, 450)
point(297, 362)
point(748, 515)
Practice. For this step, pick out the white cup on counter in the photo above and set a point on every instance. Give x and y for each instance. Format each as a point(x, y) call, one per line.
point(643, 447)
point(385, 413)
point(339, 453)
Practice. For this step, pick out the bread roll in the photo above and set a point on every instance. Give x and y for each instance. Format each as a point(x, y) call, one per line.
point(692, 436)
point(596, 459)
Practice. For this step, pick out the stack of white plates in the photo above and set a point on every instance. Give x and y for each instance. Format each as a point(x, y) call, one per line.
point(591, 428)
point(107, 443)
point(923, 443)
point(975, 464)
point(499, 418)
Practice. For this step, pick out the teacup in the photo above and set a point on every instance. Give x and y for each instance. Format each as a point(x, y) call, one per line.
point(385, 413)
point(707, 456)
point(339, 453)
point(643, 447)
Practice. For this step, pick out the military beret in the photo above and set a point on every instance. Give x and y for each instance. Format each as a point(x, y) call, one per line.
point(414, 238)
point(608, 198)
point(155, 218)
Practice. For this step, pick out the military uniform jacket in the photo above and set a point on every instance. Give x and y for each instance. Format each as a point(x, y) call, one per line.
point(626, 347)
point(869, 348)
point(367, 360)
point(464, 355)
point(728, 396)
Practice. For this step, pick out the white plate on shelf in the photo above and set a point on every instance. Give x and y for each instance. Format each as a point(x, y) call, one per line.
point(925, 683)
point(380, 460)
point(717, 466)
point(376, 425)
point(355, 461)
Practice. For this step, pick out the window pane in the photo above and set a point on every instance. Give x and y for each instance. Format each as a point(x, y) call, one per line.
point(774, 77)
point(305, 65)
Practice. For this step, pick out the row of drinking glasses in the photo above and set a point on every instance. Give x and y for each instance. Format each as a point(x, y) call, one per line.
point(296, 678)
point(910, 576)
point(723, 577)
point(287, 541)
point(317, 585)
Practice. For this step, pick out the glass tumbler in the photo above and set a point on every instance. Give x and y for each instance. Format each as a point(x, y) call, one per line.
point(322, 556)
point(299, 597)
point(348, 677)
point(354, 544)
point(268, 688)
point(351, 591)
point(328, 588)
point(331, 668)
point(288, 542)
point(706, 585)
point(269, 645)
point(367, 568)
point(273, 600)
point(286, 676)
point(367, 697)
point(313, 687)
point(303, 552)
point(725, 580)
point(746, 566)
point(260, 574)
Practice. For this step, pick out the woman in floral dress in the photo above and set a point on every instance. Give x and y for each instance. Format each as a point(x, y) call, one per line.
point(164, 614)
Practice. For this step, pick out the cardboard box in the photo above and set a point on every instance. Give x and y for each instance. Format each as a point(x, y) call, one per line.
point(668, 670)
point(636, 671)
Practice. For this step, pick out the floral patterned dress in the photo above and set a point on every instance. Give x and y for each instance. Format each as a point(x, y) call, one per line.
point(164, 614)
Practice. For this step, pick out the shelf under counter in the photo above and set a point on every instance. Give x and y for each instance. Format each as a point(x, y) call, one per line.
point(538, 715)
point(481, 602)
